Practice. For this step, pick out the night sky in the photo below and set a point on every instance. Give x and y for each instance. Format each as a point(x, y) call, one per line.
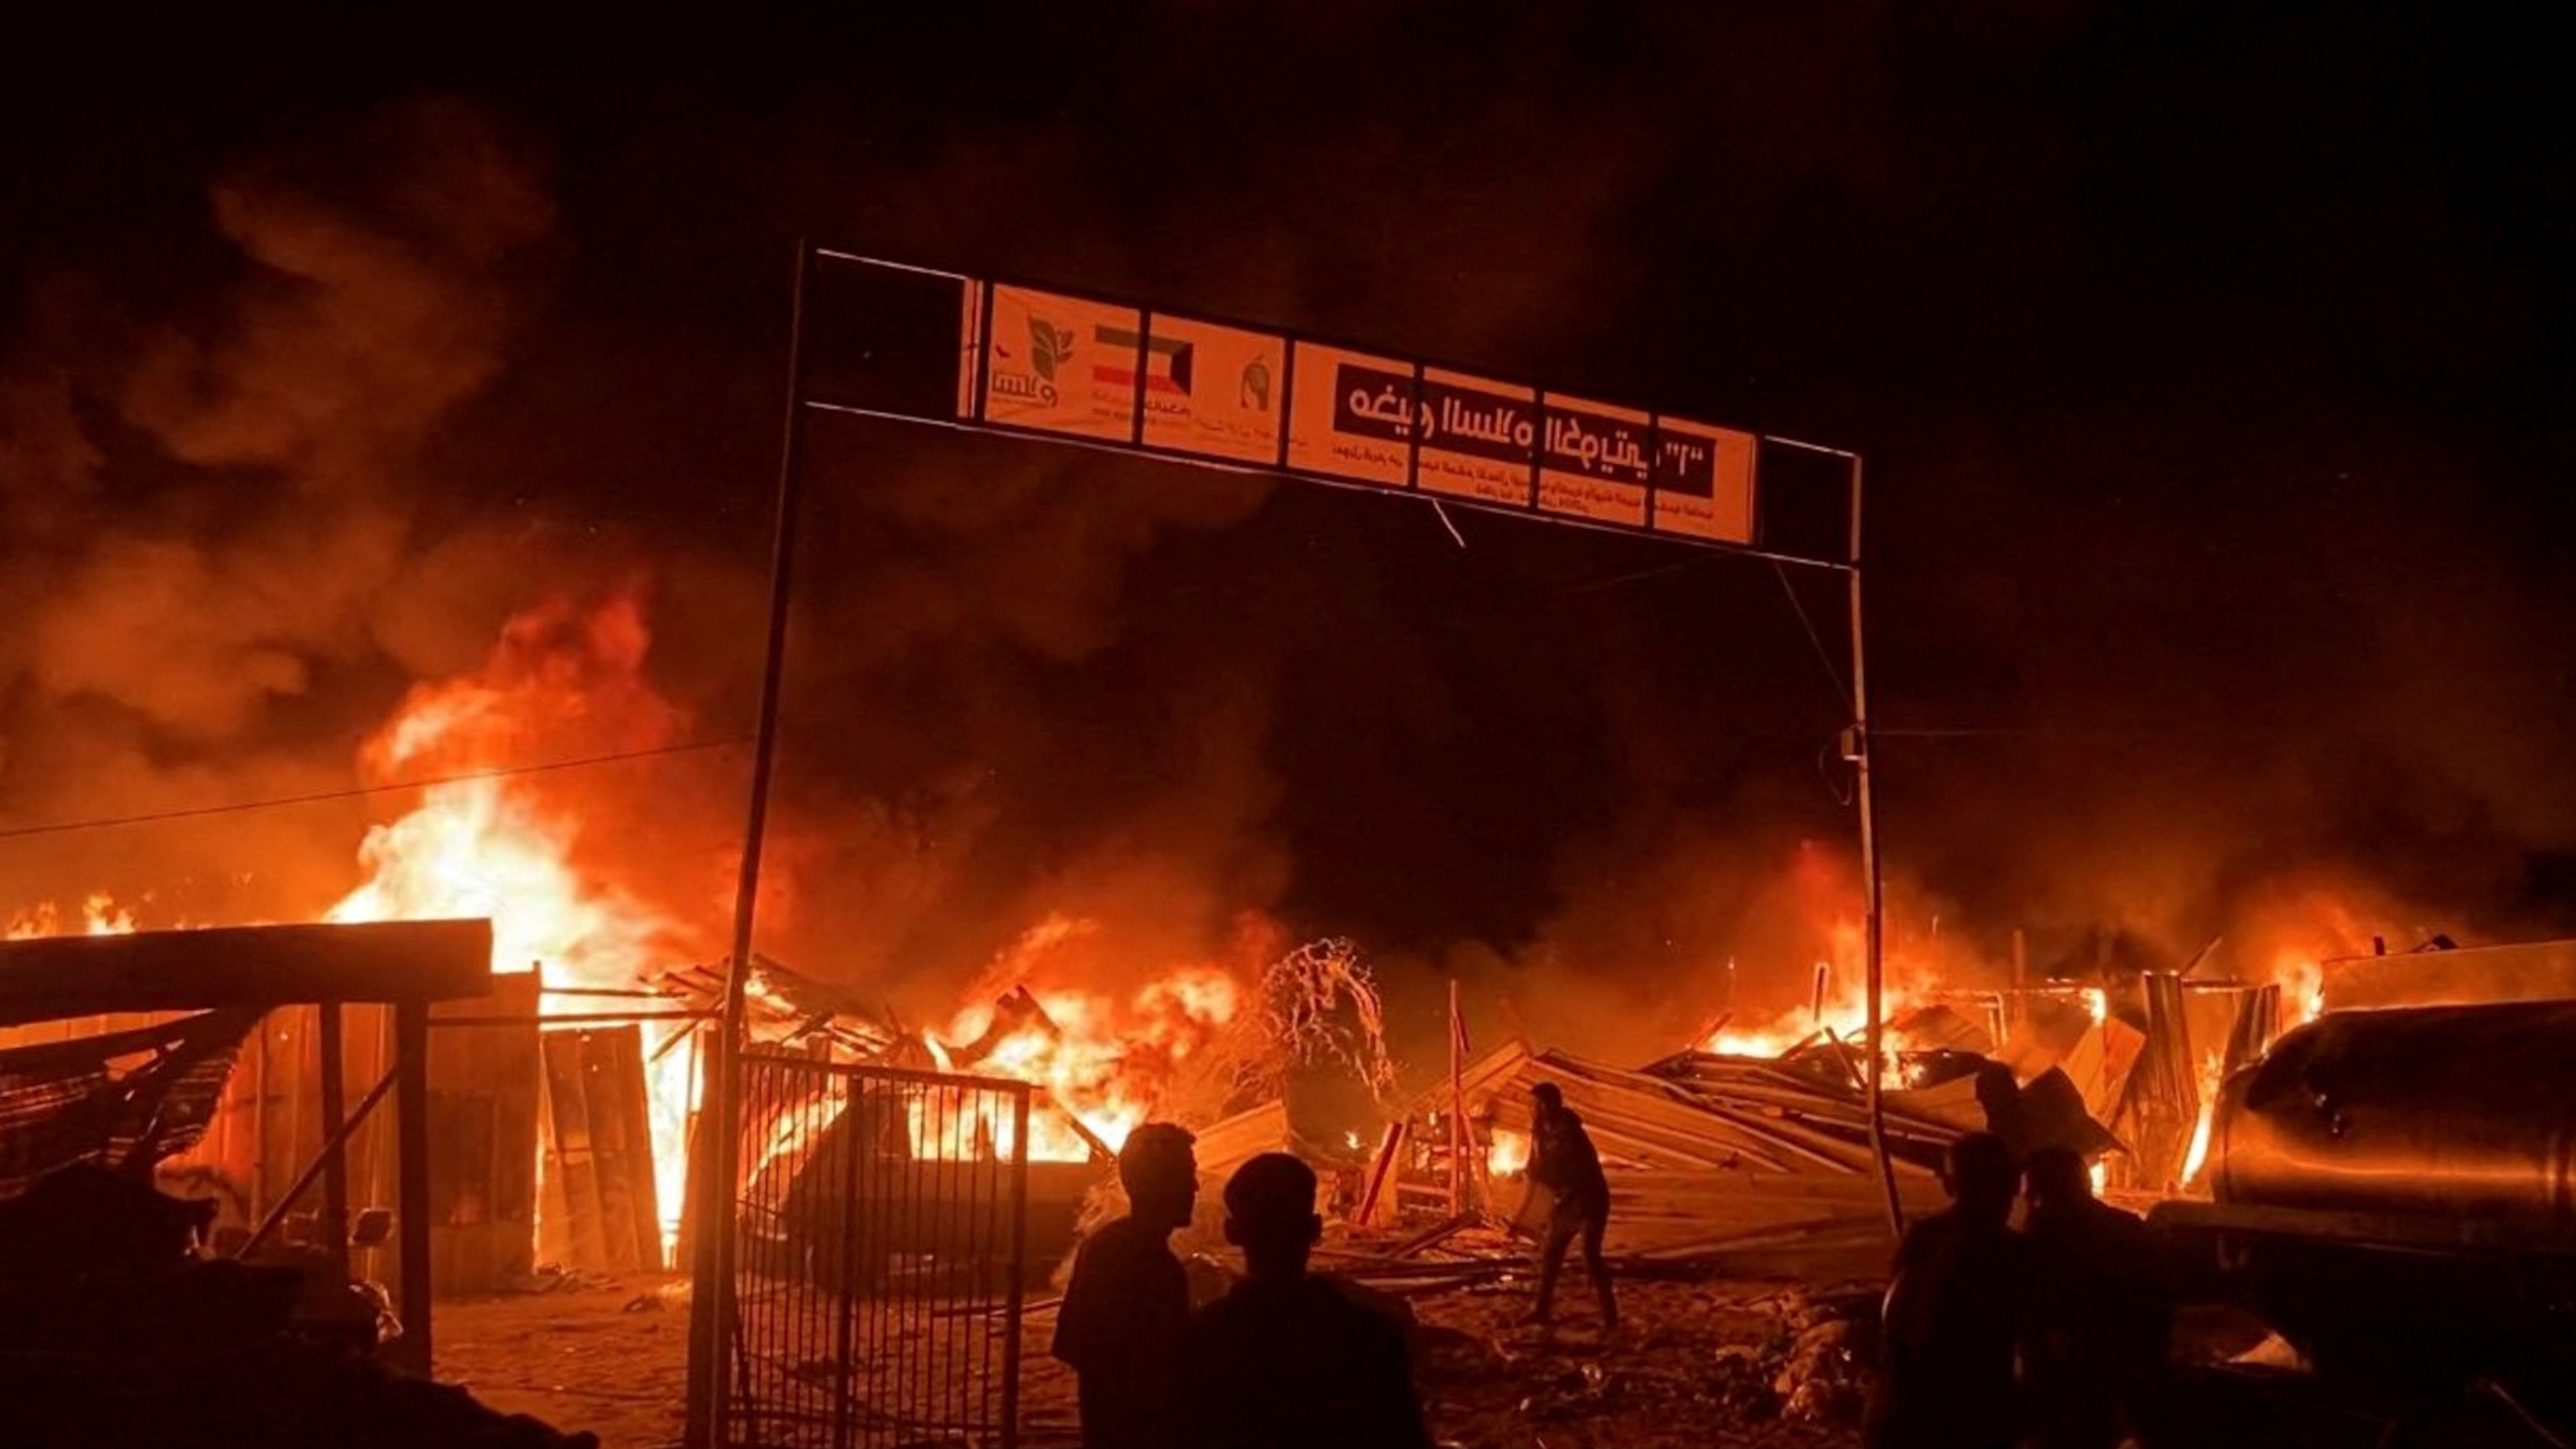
point(2211, 362)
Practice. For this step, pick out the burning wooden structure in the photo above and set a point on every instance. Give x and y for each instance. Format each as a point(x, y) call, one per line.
point(540, 1147)
point(189, 1000)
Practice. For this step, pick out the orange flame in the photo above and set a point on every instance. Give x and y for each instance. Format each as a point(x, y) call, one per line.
point(567, 683)
point(1104, 1061)
point(100, 915)
point(2213, 1072)
point(1845, 1006)
point(1509, 1153)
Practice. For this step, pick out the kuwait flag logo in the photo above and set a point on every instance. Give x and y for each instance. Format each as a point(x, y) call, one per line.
point(1167, 362)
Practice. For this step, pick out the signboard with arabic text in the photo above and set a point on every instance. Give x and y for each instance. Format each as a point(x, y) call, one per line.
point(1196, 389)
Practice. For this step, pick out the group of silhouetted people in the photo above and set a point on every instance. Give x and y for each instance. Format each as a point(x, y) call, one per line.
point(1286, 1360)
point(2048, 1337)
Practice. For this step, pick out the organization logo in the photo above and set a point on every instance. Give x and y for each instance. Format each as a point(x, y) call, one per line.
point(1168, 362)
point(1050, 348)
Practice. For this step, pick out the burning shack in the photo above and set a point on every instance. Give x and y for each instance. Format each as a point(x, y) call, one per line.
point(113, 1078)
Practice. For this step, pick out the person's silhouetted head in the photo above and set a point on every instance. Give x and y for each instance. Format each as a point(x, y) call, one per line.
point(1549, 1097)
point(1270, 1214)
point(1161, 1174)
point(1980, 1175)
point(2058, 1178)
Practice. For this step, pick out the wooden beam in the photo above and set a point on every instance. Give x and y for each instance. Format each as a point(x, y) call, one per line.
point(411, 1103)
point(1381, 1168)
point(335, 1160)
point(419, 961)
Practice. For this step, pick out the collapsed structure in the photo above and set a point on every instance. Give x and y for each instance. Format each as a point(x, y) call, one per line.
point(115, 1328)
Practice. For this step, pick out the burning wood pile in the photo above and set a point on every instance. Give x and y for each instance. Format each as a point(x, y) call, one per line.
point(1760, 1160)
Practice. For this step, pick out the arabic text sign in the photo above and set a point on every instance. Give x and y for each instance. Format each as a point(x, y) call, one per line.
point(1352, 415)
point(1182, 386)
point(1703, 481)
point(1213, 390)
point(1477, 438)
point(1595, 460)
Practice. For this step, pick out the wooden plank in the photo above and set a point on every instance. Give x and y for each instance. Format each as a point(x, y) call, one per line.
point(554, 1206)
point(1229, 1143)
point(412, 1351)
point(1381, 1168)
point(572, 1162)
point(484, 1088)
point(622, 1144)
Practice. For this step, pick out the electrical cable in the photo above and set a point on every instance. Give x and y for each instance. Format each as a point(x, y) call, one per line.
point(1823, 655)
point(56, 827)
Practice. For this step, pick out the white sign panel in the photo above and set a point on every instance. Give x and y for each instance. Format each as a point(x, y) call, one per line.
point(1703, 481)
point(1595, 460)
point(1213, 391)
point(1187, 387)
point(1352, 416)
point(1478, 438)
point(1056, 364)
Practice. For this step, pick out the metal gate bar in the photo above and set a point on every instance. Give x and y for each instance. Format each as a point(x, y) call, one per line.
point(880, 1244)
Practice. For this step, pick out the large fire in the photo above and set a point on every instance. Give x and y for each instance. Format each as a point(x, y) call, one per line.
point(1104, 1061)
point(567, 682)
point(1837, 1006)
point(549, 855)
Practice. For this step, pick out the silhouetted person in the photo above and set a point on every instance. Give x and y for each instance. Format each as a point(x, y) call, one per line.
point(1563, 1160)
point(2102, 1310)
point(1287, 1360)
point(1127, 1307)
point(1954, 1314)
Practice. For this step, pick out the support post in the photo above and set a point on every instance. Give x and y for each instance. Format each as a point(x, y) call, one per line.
point(1876, 933)
point(1457, 1107)
point(335, 1116)
point(270, 1221)
point(411, 1106)
point(711, 1298)
point(1014, 1313)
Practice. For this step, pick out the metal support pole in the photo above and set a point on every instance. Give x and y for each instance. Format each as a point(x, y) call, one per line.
point(1014, 1315)
point(1876, 936)
point(411, 1107)
point(335, 1117)
point(711, 1300)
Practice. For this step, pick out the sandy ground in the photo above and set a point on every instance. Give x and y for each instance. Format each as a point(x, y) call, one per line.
point(588, 1357)
point(608, 1357)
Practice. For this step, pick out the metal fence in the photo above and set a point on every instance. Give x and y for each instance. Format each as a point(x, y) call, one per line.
point(879, 1265)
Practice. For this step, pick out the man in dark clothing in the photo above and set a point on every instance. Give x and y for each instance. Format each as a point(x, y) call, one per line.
point(1954, 1314)
point(2103, 1312)
point(1128, 1306)
point(1287, 1360)
point(1564, 1162)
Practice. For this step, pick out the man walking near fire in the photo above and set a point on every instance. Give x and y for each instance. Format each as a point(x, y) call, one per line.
point(1564, 1162)
point(1127, 1308)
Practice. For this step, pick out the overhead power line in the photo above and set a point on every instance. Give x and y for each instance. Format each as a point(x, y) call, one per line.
point(56, 827)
